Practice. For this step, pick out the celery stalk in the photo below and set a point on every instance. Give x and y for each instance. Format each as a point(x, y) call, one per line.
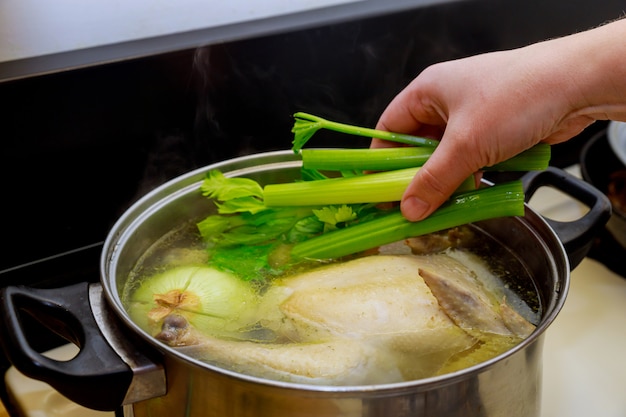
point(379, 187)
point(382, 159)
point(306, 125)
point(497, 201)
point(328, 218)
point(536, 158)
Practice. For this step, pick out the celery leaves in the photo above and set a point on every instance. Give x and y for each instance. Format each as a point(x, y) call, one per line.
point(245, 228)
point(233, 195)
point(332, 216)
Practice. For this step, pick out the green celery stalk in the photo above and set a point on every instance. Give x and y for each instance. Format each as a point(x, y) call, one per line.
point(306, 125)
point(378, 187)
point(502, 200)
point(536, 158)
point(382, 159)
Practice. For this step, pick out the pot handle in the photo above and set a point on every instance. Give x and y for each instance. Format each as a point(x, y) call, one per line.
point(577, 236)
point(98, 377)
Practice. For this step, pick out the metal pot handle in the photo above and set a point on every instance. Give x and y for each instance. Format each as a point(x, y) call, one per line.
point(102, 376)
point(577, 236)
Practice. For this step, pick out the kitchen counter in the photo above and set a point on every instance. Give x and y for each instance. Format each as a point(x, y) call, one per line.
point(584, 369)
point(3, 411)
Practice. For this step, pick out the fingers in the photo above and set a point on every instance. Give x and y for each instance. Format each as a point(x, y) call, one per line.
point(406, 113)
point(422, 109)
point(399, 116)
point(435, 182)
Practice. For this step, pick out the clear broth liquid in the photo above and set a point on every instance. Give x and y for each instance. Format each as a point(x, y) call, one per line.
point(508, 278)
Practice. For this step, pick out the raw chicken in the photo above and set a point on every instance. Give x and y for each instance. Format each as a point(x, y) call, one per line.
point(372, 320)
point(339, 361)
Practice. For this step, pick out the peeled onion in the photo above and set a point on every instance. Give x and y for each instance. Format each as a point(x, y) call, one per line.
point(212, 301)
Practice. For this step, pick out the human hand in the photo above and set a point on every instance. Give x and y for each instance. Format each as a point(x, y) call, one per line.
point(488, 108)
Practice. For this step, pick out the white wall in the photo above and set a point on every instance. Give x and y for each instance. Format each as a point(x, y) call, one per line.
point(45, 36)
point(30, 28)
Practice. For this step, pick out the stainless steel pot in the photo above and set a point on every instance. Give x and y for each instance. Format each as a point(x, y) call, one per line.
point(120, 364)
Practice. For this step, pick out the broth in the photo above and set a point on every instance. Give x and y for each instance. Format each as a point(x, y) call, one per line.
point(235, 341)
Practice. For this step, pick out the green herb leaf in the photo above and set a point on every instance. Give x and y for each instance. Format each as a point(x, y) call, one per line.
point(248, 262)
point(234, 194)
point(332, 216)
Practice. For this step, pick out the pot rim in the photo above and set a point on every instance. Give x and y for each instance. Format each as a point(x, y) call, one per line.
point(175, 187)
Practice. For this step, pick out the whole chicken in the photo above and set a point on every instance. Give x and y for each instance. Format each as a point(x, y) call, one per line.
point(372, 320)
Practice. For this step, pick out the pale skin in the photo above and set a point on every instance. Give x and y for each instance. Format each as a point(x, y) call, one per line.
point(488, 108)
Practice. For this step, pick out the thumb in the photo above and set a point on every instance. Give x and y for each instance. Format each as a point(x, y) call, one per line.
point(434, 183)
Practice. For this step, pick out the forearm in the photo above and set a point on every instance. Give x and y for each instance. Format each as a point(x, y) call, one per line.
point(593, 77)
